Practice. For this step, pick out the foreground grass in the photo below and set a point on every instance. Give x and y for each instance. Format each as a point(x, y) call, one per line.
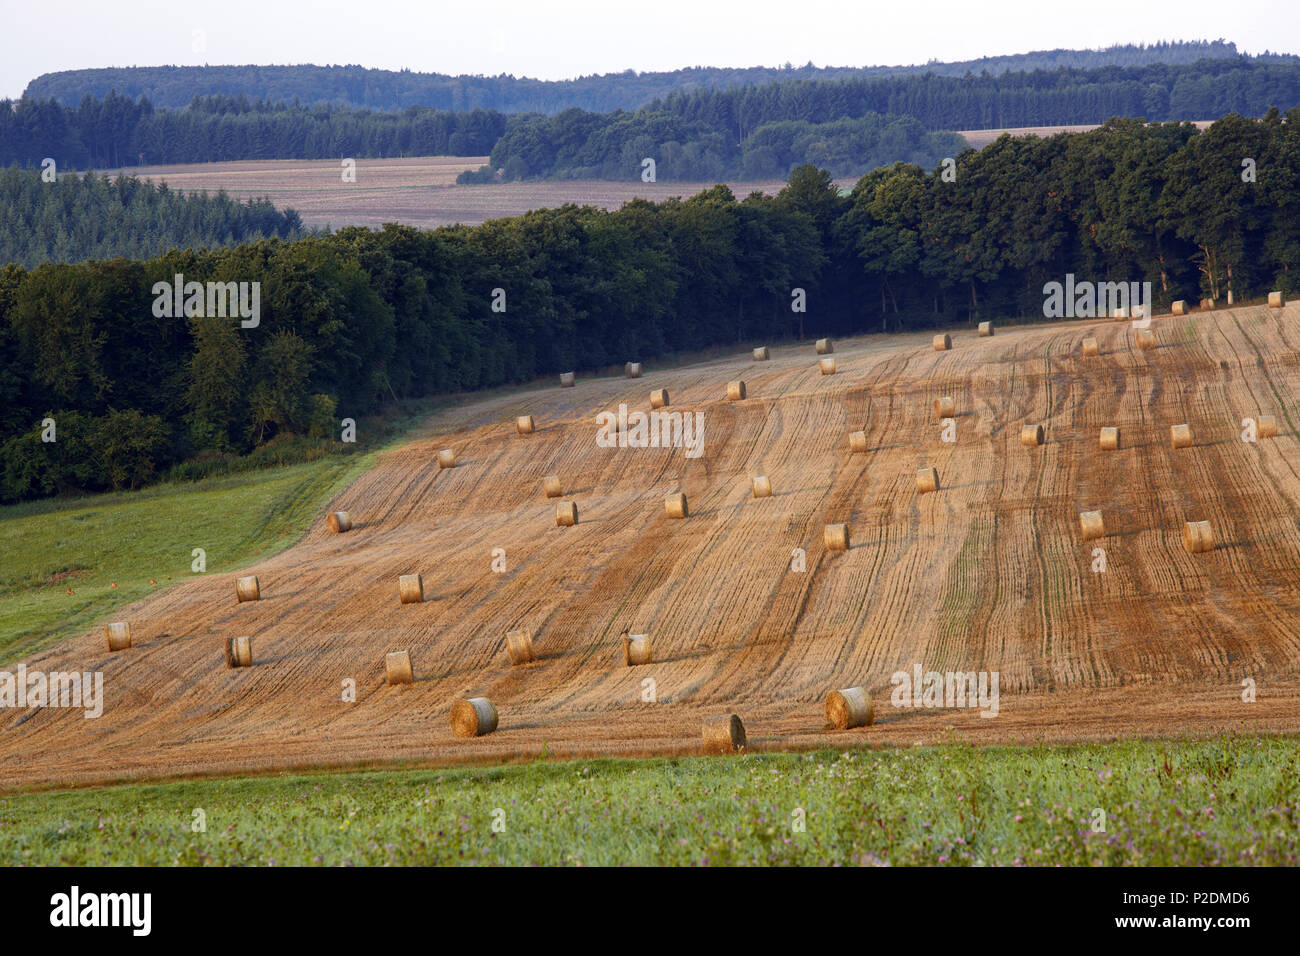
point(1227, 801)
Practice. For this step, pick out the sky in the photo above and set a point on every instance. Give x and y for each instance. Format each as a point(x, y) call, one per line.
point(554, 39)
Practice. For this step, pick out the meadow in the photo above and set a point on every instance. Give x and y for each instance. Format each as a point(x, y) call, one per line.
point(1230, 801)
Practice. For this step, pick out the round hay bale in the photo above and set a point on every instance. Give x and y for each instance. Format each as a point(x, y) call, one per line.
point(1179, 307)
point(735, 391)
point(942, 343)
point(447, 458)
point(519, 647)
point(551, 485)
point(836, 537)
point(827, 366)
point(659, 398)
point(1110, 439)
point(1207, 304)
point(410, 588)
point(675, 505)
point(762, 487)
point(760, 354)
point(1092, 525)
point(986, 329)
point(119, 635)
point(1090, 347)
point(247, 589)
point(1181, 436)
point(632, 369)
point(945, 407)
point(636, 649)
point(1031, 436)
point(566, 514)
point(1266, 427)
point(239, 652)
point(1146, 339)
point(340, 521)
point(525, 425)
point(927, 480)
point(849, 708)
point(1198, 538)
point(825, 346)
point(474, 717)
point(397, 668)
point(723, 735)
point(857, 443)
point(566, 379)
point(1276, 300)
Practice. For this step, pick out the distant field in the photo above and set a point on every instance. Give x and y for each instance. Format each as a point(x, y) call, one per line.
point(1178, 803)
point(419, 191)
point(422, 191)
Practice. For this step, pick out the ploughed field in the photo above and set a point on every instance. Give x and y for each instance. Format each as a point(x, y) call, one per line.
point(416, 191)
point(988, 574)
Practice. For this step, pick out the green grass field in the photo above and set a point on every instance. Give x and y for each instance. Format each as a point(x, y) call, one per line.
point(130, 538)
point(89, 545)
point(1189, 803)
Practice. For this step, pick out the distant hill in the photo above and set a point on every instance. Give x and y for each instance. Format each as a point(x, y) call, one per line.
point(358, 87)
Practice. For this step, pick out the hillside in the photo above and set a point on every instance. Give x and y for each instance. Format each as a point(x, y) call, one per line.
point(176, 86)
point(988, 574)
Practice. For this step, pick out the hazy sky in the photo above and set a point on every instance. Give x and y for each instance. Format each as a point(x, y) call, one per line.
point(554, 40)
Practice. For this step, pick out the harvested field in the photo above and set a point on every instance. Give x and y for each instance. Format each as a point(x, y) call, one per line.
point(979, 138)
point(416, 191)
point(990, 574)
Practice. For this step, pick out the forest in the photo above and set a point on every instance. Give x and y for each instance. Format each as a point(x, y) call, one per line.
point(577, 145)
point(119, 131)
point(93, 217)
point(846, 125)
point(355, 320)
point(1062, 97)
point(175, 87)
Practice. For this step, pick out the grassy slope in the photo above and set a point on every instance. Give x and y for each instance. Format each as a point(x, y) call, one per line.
point(128, 538)
point(1183, 803)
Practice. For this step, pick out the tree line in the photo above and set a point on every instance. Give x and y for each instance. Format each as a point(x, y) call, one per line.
point(578, 145)
point(74, 218)
point(352, 321)
point(120, 131)
point(1062, 97)
point(175, 87)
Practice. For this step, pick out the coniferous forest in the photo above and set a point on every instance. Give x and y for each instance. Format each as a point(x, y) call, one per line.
point(351, 321)
point(93, 217)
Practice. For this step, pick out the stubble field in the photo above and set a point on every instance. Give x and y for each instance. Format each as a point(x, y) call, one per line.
point(988, 574)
